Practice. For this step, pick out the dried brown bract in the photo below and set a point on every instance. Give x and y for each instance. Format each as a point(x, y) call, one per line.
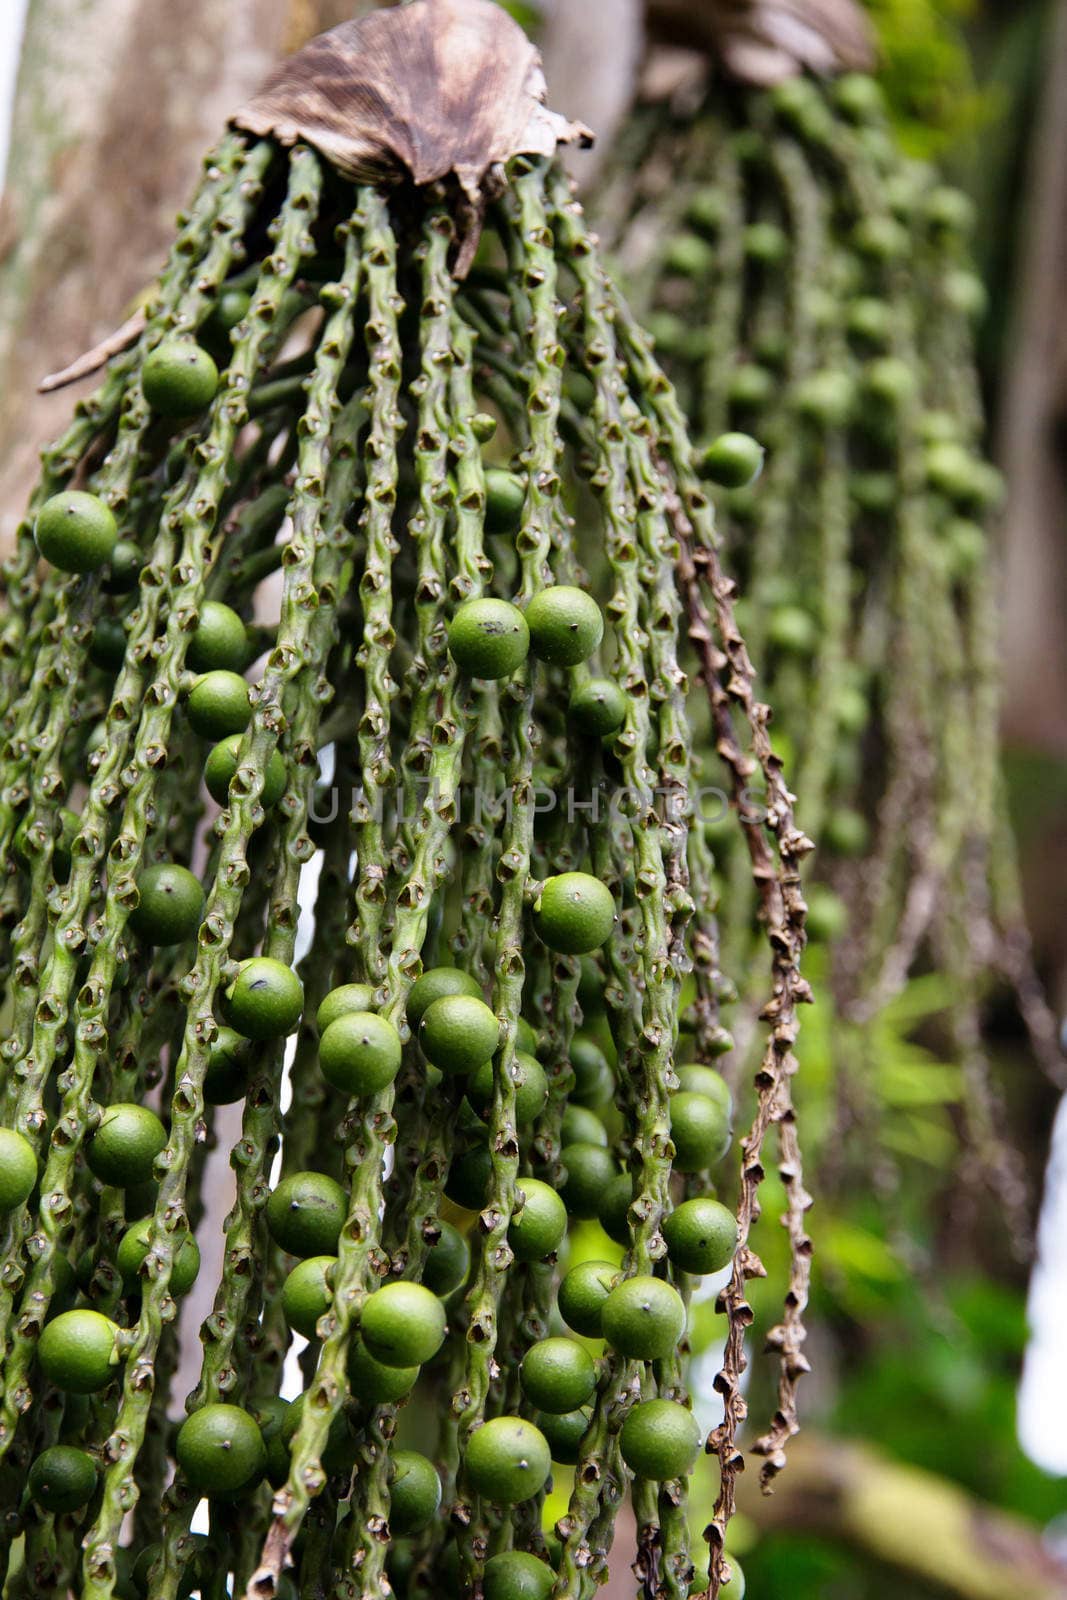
point(431, 90)
point(765, 41)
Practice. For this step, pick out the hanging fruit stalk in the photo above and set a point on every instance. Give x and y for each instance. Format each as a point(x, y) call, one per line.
point(393, 367)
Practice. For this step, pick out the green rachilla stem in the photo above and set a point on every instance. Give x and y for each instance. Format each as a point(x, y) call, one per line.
point(197, 520)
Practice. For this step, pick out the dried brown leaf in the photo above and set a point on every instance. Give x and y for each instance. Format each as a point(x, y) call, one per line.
point(430, 90)
point(765, 41)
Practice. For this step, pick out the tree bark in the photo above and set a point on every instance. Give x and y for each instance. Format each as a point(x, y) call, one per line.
point(115, 105)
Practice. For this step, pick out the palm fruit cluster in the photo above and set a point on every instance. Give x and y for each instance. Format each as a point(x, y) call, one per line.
point(811, 296)
point(348, 660)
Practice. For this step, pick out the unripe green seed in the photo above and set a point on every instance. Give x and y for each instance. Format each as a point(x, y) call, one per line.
point(229, 1062)
point(732, 460)
point(133, 1249)
point(847, 832)
point(488, 638)
point(700, 1132)
point(360, 1053)
point(531, 1088)
point(751, 387)
point(220, 1450)
point(582, 1126)
point(467, 1183)
point(701, 1235)
point(589, 1169)
point(221, 767)
point(483, 426)
point(265, 999)
point(689, 256)
point(123, 568)
point(107, 647)
point(376, 1383)
point(76, 532)
point(614, 1210)
point(122, 1150)
point(179, 378)
point(507, 1460)
point(62, 1479)
point(18, 1170)
point(594, 1081)
point(660, 1440)
point(447, 1261)
point(170, 904)
point(459, 1033)
point(414, 1492)
point(859, 97)
point(643, 1318)
point(539, 1227)
point(307, 1293)
point(219, 641)
point(343, 1000)
point(305, 1214)
point(402, 1324)
point(582, 1294)
point(76, 1351)
point(436, 984)
point(564, 1432)
point(766, 244)
point(505, 496)
point(598, 707)
point(557, 1375)
point(703, 1080)
point(517, 1575)
point(574, 913)
point(734, 1587)
point(566, 625)
point(218, 705)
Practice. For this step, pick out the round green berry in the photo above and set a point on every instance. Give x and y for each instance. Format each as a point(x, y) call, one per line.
point(376, 1383)
point(488, 638)
point(860, 98)
point(594, 1082)
point(689, 256)
point(133, 1248)
point(582, 1126)
point(566, 625)
point(18, 1170)
point(871, 322)
point(531, 1088)
point(733, 460)
point(703, 1080)
point(589, 1169)
point(271, 1415)
point(564, 1432)
point(305, 1214)
point(179, 378)
point(966, 294)
point(598, 707)
point(123, 569)
point(221, 767)
point(360, 1053)
point(218, 705)
point(107, 647)
point(339, 1451)
point(701, 1235)
point(525, 1037)
point(751, 387)
point(825, 398)
point(307, 1293)
point(170, 904)
point(459, 1033)
point(228, 1062)
point(483, 426)
point(765, 243)
point(220, 1450)
point(613, 1213)
point(574, 913)
point(643, 1318)
point(507, 1460)
point(122, 1150)
point(468, 1178)
point(76, 1351)
point(827, 914)
point(447, 1261)
point(76, 532)
point(403, 1324)
point(557, 1375)
point(505, 496)
point(517, 1575)
point(414, 1492)
point(734, 1587)
point(219, 641)
point(265, 999)
point(793, 630)
point(62, 1479)
point(582, 1294)
point(339, 1002)
point(700, 1131)
point(540, 1225)
point(437, 984)
point(847, 832)
point(660, 1439)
